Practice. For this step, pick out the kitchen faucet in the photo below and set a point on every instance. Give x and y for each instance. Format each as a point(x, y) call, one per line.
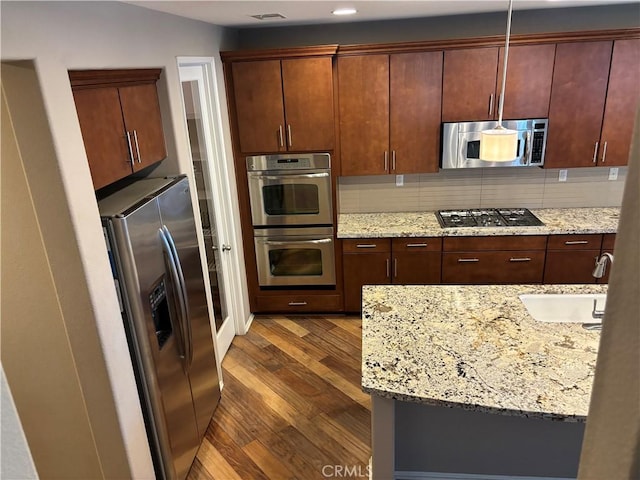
point(601, 265)
point(598, 272)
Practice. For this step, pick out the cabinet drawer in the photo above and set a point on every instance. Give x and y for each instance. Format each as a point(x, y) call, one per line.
point(608, 242)
point(366, 245)
point(504, 242)
point(574, 242)
point(493, 267)
point(299, 303)
point(418, 244)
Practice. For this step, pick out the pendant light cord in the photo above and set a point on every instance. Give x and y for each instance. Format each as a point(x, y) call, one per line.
point(504, 67)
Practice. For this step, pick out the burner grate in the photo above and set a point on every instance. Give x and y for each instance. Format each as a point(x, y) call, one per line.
point(488, 217)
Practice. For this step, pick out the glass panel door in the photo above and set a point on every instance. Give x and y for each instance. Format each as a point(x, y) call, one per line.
point(200, 154)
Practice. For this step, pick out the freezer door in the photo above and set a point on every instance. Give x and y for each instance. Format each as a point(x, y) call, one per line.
point(177, 215)
point(154, 321)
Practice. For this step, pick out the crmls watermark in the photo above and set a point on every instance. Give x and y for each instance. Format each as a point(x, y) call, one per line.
point(351, 471)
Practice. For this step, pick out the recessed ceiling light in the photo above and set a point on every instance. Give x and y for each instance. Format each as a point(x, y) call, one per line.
point(344, 11)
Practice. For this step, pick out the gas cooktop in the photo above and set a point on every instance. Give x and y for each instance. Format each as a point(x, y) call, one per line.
point(488, 217)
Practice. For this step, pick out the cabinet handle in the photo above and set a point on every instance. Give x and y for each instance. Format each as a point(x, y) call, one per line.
point(386, 161)
point(130, 149)
point(366, 245)
point(468, 260)
point(604, 151)
point(576, 242)
point(595, 153)
point(395, 268)
point(491, 105)
point(297, 304)
point(393, 160)
point(289, 137)
point(135, 138)
point(416, 245)
point(388, 273)
point(280, 136)
point(523, 259)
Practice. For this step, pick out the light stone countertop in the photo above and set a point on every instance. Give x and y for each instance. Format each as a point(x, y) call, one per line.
point(425, 224)
point(477, 348)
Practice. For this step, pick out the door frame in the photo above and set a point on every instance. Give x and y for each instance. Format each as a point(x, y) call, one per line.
point(226, 217)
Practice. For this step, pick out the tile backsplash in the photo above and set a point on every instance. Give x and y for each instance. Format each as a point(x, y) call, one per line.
point(482, 187)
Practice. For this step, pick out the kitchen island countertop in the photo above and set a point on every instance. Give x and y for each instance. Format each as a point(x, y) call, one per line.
point(425, 224)
point(476, 348)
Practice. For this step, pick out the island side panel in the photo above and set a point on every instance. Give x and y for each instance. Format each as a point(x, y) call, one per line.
point(447, 440)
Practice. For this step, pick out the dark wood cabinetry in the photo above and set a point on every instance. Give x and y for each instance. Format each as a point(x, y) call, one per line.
point(119, 116)
point(390, 113)
point(571, 258)
point(404, 261)
point(284, 104)
point(593, 103)
point(489, 260)
point(473, 81)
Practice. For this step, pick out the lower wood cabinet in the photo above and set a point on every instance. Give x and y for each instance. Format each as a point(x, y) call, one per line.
point(380, 261)
point(571, 258)
point(491, 260)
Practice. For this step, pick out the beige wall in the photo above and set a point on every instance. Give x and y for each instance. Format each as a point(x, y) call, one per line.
point(36, 344)
point(611, 447)
point(57, 37)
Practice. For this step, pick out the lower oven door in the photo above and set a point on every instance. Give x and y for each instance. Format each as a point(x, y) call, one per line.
point(295, 256)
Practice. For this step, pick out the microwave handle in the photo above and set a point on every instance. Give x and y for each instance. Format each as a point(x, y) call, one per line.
point(527, 148)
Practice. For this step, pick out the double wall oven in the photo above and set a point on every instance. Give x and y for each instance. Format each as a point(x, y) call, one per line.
point(292, 216)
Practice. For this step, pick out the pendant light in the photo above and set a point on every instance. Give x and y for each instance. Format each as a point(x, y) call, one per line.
point(500, 144)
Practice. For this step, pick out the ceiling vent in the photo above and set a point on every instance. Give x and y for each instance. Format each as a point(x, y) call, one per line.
point(268, 16)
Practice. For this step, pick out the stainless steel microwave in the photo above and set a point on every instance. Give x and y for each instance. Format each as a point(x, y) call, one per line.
point(461, 143)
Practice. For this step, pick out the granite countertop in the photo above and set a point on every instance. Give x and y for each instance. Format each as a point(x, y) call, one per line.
point(477, 348)
point(425, 224)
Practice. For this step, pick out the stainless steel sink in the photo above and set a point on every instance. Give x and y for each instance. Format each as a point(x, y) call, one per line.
point(560, 308)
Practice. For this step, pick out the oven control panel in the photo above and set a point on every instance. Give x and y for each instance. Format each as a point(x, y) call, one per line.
point(303, 161)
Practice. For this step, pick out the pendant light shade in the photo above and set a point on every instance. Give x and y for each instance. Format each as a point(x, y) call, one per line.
point(500, 144)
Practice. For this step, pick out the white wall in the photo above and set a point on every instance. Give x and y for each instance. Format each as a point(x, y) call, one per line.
point(59, 36)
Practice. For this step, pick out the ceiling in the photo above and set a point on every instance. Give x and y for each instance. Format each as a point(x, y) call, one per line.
point(239, 13)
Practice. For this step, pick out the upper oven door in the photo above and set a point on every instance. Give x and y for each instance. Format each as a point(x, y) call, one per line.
point(295, 197)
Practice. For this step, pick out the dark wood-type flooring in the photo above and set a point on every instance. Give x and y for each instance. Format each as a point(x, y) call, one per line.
point(292, 406)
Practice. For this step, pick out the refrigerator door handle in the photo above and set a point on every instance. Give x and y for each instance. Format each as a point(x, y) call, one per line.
point(184, 297)
point(175, 282)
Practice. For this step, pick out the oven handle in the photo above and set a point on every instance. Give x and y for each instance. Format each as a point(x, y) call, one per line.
point(289, 242)
point(285, 176)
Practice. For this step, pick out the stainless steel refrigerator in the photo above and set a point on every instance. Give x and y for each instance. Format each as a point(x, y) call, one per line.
point(151, 238)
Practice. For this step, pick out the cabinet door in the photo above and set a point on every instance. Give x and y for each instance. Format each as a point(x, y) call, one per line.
point(103, 133)
point(363, 86)
point(257, 88)
point(141, 111)
point(469, 85)
point(577, 103)
point(363, 269)
point(416, 93)
point(562, 266)
point(308, 104)
point(529, 75)
point(416, 268)
point(623, 98)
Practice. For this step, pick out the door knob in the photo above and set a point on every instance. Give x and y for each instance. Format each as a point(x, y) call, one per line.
point(226, 248)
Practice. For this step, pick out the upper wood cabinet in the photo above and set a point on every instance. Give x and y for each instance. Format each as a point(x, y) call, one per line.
point(390, 113)
point(623, 99)
point(120, 120)
point(593, 104)
point(473, 82)
point(284, 105)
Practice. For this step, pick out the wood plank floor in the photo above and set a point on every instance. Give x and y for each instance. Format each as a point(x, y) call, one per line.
point(292, 406)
